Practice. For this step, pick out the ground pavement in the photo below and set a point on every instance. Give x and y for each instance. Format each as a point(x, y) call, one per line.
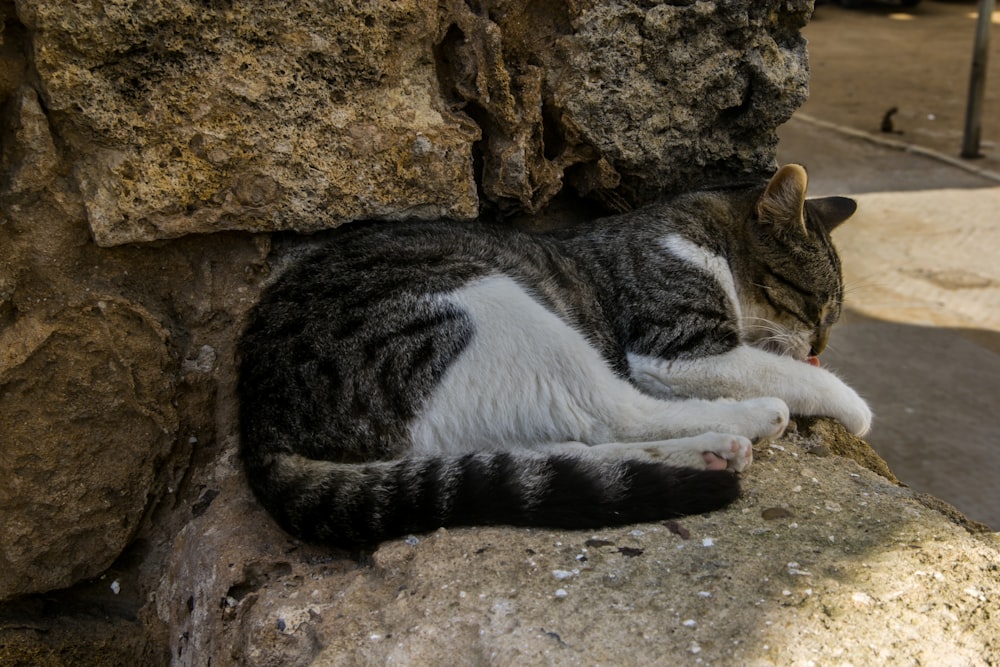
point(921, 336)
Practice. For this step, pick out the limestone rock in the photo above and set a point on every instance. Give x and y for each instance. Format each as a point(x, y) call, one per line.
point(673, 94)
point(29, 156)
point(105, 356)
point(853, 569)
point(85, 400)
point(110, 368)
point(185, 118)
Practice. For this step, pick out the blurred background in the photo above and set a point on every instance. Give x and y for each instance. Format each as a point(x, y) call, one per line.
point(921, 336)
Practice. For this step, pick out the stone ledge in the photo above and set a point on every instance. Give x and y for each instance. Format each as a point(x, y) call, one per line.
point(822, 559)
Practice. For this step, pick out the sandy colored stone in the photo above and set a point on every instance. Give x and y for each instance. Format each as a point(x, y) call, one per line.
point(109, 366)
point(85, 402)
point(29, 156)
point(677, 94)
point(859, 570)
point(183, 118)
point(189, 118)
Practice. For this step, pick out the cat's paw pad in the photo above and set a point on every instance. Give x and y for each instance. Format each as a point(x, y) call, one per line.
point(735, 454)
point(707, 451)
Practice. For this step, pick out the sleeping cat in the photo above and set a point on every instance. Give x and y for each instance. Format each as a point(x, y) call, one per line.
point(408, 376)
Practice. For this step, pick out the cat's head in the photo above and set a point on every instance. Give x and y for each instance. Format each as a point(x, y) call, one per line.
point(792, 289)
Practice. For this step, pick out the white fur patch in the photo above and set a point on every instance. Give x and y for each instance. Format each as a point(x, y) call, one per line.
point(746, 372)
point(524, 379)
point(714, 265)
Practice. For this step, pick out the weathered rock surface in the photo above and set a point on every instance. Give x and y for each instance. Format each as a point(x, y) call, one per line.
point(71, 504)
point(188, 118)
point(673, 94)
point(821, 562)
point(107, 366)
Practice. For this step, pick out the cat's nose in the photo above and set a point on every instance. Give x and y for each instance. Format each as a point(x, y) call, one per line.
point(819, 340)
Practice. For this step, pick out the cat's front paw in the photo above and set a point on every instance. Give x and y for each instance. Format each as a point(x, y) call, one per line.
point(760, 418)
point(855, 414)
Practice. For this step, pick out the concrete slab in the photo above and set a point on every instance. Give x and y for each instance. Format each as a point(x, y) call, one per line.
point(840, 163)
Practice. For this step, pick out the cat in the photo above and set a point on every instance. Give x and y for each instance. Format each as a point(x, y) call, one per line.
point(407, 376)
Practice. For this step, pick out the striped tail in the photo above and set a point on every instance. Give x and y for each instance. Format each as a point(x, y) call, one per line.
point(359, 505)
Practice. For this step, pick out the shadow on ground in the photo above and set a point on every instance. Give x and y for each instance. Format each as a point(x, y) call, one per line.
point(934, 392)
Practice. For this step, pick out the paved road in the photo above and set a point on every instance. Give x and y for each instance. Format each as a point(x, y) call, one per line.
point(917, 61)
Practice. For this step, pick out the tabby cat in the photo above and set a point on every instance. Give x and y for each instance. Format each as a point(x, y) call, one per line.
point(407, 376)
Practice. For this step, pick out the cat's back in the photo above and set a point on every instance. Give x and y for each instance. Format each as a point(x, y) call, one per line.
point(366, 281)
point(364, 259)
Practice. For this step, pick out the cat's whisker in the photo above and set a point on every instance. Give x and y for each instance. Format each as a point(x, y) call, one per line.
point(874, 276)
point(871, 281)
point(779, 341)
point(762, 324)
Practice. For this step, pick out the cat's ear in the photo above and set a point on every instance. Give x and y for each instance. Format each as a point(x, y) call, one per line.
point(829, 212)
point(784, 198)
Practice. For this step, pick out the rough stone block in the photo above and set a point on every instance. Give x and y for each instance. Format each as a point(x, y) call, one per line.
point(85, 403)
point(187, 118)
point(821, 561)
point(184, 118)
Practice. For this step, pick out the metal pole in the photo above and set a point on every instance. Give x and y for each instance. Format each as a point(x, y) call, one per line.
point(977, 84)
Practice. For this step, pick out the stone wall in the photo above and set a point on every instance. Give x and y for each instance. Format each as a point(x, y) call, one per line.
point(149, 153)
point(181, 117)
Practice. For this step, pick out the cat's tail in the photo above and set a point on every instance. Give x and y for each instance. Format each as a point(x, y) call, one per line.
point(357, 505)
